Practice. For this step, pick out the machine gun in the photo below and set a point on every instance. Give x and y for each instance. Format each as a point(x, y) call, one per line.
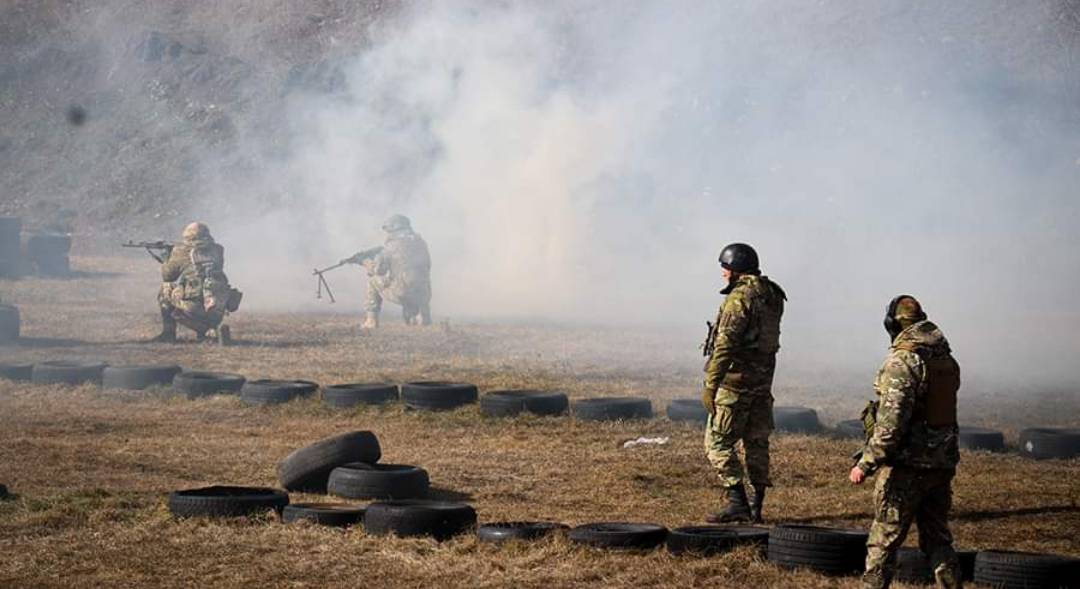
point(358, 258)
point(164, 247)
point(710, 340)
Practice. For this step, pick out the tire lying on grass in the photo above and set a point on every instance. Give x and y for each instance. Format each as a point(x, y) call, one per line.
point(796, 420)
point(500, 532)
point(687, 410)
point(17, 372)
point(309, 468)
point(1045, 442)
point(825, 550)
point(438, 396)
point(226, 501)
point(137, 378)
point(1019, 570)
point(850, 428)
point(344, 396)
point(710, 540)
point(360, 480)
point(619, 535)
point(204, 384)
point(406, 518)
point(981, 438)
point(275, 392)
point(515, 402)
point(64, 372)
point(612, 408)
point(338, 515)
point(10, 324)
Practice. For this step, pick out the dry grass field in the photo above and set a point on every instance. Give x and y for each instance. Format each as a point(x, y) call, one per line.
point(90, 468)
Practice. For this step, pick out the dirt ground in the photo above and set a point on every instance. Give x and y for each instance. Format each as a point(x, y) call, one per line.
point(90, 469)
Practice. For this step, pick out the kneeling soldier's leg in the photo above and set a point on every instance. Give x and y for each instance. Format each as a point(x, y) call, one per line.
point(893, 514)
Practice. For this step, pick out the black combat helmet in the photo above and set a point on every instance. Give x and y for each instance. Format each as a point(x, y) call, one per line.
point(396, 223)
point(739, 257)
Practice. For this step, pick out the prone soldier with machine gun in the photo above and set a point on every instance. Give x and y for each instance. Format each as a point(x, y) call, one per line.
point(194, 291)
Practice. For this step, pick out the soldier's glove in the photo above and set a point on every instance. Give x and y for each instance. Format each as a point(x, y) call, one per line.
point(708, 400)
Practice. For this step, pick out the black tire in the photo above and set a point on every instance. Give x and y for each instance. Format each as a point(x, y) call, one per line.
point(710, 540)
point(337, 515)
point(137, 378)
point(226, 501)
point(498, 533)
point(1021, 570)
point(612, 408)
point(10, 246)
point(275, 392)
point(687, 410)
point(17, 372)
point(1044, 442)
point(514, 402)
point(438, 519)
point(619, 535)
point(10, 323)
point(63, 372)
point(203, 384)
point(826, 550)
point(437, 396)
point(343, 396)
point(851, 428)
point(48, 252)
point(981, 438)
point(912, 566)
point(360, 480)
point(308, 469)
point(796, 420)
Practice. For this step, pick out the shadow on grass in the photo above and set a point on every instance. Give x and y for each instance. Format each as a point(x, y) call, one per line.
point(441, 494)
point(960, 516)
point(47, 342)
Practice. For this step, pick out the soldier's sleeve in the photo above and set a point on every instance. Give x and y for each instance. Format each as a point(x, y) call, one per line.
point(731, 324)
point(381, 262)
point(174, 266)
point(897, 386)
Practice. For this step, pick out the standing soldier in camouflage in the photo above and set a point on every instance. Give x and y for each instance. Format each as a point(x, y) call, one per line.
point(912, 446)
point(742, 349)
point(399, 273)
point(195, 292)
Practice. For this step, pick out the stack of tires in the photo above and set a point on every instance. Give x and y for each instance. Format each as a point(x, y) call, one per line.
point(48, 253)
point(826, 550)
point(10, 247)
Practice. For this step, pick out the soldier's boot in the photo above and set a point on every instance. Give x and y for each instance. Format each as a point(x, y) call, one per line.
point(948, 577)
point(371, 321)
point(737, 509)
point(224, 335)
point(168, 329)
point(756, 501)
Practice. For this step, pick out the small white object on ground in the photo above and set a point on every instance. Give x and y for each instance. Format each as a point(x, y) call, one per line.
point(645, 442)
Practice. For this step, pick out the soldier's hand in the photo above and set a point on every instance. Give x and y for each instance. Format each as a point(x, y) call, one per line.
point(708, 400)
point(856, 476)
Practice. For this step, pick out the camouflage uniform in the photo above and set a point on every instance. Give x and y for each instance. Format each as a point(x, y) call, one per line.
point(914, 446)
point(401, 274)
point(740, 372)
point(194, 289)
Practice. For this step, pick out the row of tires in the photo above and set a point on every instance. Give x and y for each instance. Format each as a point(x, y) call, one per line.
point(828, 551)
point(1038, 443)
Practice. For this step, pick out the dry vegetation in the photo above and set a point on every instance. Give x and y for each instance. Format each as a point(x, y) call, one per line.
point(91, 468)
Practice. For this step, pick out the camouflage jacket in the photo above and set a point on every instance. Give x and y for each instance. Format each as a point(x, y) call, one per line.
point(747, 336)
point(915, 425)
point(198, 267)
point(404, 262)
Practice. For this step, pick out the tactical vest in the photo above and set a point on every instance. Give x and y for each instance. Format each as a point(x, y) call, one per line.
point(942, 384)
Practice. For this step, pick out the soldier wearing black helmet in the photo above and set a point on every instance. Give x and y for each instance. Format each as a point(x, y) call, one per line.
point(399, 273)
point(741, 352)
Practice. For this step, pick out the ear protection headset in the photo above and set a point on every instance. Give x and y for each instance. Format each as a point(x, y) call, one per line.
point(892, 324)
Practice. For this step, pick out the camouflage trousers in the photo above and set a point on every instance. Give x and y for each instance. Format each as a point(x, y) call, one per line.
point(902, 496)
point(188, 312)
point(745, 417)
point(415, 302)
